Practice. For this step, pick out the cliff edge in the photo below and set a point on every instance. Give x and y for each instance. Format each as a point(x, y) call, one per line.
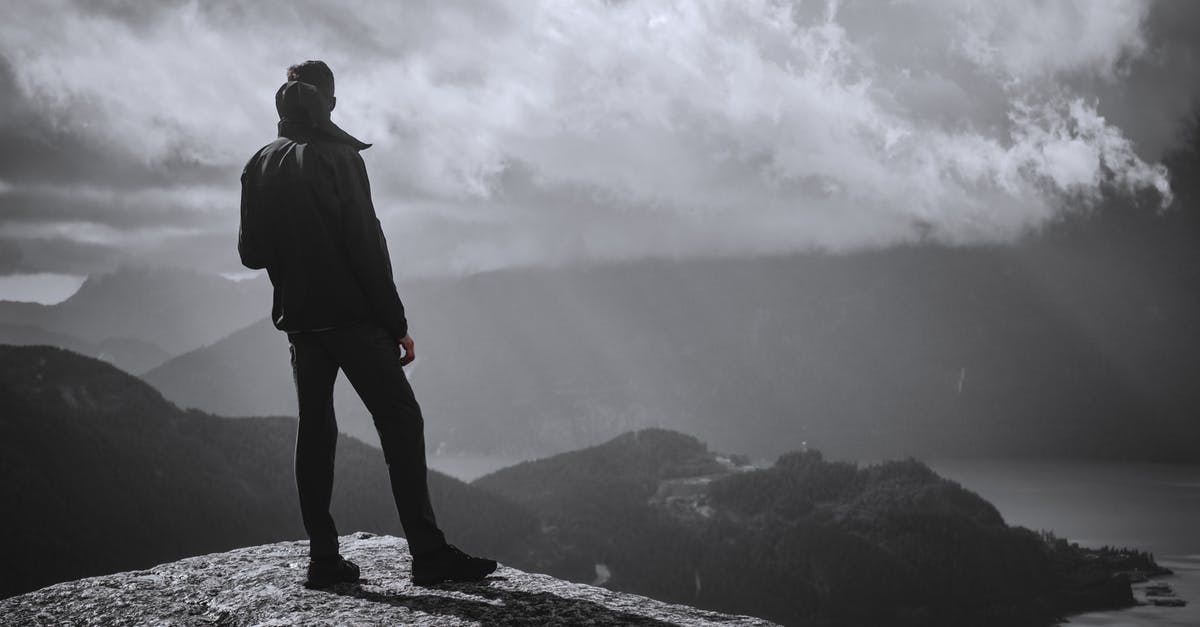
point(261, 585)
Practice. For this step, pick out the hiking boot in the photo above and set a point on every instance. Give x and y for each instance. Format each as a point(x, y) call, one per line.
point(326, 571)
point(448, 563)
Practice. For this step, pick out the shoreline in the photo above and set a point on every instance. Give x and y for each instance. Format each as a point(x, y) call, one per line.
point(1184, 586)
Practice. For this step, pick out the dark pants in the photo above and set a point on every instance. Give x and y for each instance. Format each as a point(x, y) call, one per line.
point(370, 357)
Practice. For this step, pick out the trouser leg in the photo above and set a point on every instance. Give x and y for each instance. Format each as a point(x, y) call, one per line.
point(371, 360)
point(315, 371)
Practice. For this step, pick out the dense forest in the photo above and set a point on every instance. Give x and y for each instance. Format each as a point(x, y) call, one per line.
point(806, 541)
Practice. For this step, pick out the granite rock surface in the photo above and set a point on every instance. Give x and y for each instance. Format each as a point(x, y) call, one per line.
point(261, 585)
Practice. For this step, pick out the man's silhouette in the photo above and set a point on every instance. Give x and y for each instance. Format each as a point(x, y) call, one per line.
point(307, 217)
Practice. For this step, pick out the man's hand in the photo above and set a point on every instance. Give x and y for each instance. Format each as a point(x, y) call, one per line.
point(409, 355)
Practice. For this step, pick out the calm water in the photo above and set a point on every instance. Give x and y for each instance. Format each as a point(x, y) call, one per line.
point(1146, 506)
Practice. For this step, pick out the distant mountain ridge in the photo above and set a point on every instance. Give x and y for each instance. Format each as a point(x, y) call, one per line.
point(131, 355)
point(1072, 350)
point(201, 378)
point(148, 313)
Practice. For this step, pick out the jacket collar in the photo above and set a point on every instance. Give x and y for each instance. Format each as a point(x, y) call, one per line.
point(304, 114)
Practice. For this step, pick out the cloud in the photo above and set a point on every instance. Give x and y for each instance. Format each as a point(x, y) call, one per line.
point(527, 133)
point(1095, 36)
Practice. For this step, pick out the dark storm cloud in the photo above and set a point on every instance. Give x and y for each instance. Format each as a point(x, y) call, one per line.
point(44, 145)
point(71, 202)
point(176, 207)
point(525, 132)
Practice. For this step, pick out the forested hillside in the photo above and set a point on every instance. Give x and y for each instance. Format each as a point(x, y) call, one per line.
point(802, 542)
point(100, 474)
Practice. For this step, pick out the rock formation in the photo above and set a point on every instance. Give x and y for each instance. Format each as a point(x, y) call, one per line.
point(261, 585)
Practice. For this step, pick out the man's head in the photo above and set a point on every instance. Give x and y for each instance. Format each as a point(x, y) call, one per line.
point(306, 99)
point(317, 74)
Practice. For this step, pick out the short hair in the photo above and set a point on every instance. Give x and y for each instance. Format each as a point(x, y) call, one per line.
point(315, 73)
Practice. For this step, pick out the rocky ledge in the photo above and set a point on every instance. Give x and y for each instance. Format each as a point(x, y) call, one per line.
point(261, 585)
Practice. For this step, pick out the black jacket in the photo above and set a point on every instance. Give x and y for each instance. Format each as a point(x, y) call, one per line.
point(307, 218)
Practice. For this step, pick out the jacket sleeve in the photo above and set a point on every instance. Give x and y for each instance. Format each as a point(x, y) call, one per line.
point(253, 246)
point(366, 246)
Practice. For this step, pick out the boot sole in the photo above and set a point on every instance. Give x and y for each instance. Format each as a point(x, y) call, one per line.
point(433, 581)
point(318, 583)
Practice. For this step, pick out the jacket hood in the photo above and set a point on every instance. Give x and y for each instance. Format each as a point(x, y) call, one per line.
point(302, 105)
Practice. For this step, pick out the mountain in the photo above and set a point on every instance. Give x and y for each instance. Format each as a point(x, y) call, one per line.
point(201, 378)
point(103, 474)
point(249, 374)
point(1074, 346)
point(107, 475)
point(174, 309)
point(127, 354)
point(803, 542)
point(260, 585)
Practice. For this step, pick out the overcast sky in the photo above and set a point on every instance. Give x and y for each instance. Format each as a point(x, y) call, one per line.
point(522, 132)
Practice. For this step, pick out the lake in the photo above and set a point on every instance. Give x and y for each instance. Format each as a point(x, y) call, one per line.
point(1154, 507)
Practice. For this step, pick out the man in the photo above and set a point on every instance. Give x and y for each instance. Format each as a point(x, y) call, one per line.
point(307, 217)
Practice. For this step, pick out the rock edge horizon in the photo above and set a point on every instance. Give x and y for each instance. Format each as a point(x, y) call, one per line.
point(262, 585)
